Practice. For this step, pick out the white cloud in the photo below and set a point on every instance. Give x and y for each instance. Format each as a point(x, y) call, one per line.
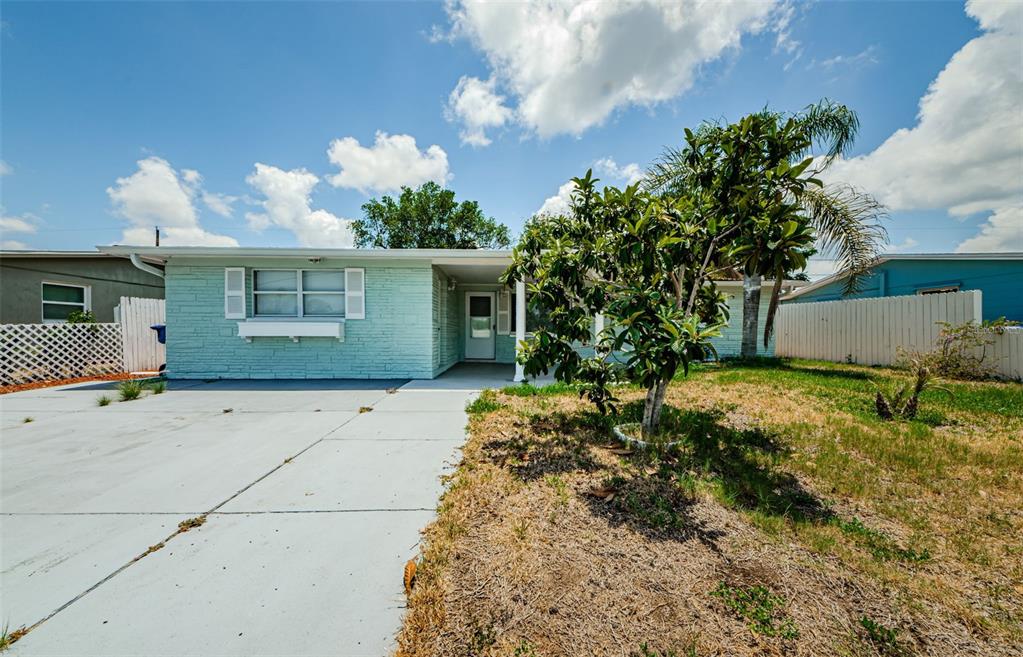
point(783, 41)
point(476, 105)
point(11, 224)
point(906, 245)
point(392, 161)
point(865, 57)
point(1003, 231)
point(965, 154)
point(5, 169)
point(607, 167)
point(219, 203)
point(288, 205)
point(157, 195)
point(560, 203)
point(570, 65)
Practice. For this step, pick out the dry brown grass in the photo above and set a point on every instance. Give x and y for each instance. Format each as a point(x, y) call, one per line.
point(914, 526)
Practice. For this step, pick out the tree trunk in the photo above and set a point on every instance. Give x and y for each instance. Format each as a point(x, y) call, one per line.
point(750, 315)
point(653, 406)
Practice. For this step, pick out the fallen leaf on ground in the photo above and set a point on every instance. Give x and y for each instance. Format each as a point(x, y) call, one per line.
point(606, 494)
point(410, 575)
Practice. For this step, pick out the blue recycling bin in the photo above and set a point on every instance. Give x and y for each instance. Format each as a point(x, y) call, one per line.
point(161, 337)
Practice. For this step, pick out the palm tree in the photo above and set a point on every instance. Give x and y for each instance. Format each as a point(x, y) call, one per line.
point(846, 220)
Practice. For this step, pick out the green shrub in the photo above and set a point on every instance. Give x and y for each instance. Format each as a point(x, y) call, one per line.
point(103, 400)
point(961, 349)
point(129, 390)
point(81, 317)
point(158, 387)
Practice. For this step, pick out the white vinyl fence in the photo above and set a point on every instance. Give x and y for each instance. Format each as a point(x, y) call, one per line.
point(870, 331)
point(142, 351)
point(1007, 353)
point(48, 352)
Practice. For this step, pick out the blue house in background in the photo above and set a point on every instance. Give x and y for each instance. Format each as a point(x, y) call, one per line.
point(999, 276)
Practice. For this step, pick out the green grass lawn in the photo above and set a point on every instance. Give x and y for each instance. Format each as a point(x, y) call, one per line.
point(789, 519)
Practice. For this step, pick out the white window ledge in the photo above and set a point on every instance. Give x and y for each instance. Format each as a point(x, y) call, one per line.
point(294, 329)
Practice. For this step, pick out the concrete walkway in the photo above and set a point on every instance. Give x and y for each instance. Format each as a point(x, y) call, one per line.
point(312, 508)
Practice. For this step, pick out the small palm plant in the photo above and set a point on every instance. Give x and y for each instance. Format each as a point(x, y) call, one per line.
point(904, 401)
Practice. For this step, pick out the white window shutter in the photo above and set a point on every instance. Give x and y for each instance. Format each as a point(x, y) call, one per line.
point(503, 312)
point(355, 293)
point(234, 293)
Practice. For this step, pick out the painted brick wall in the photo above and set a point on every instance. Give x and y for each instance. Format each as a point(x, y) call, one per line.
point(445, 323)
point(394, 341)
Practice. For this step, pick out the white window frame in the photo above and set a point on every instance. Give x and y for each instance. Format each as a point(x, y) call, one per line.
point(228, 293)
point(505, 299)
point(86, 304)
point(299, 293)
point(351, 293)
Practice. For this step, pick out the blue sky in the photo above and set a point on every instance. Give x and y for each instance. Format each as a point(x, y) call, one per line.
point(215, 119)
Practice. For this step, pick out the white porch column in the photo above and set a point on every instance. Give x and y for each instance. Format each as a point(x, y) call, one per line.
point(520, 326)
point(598, 326)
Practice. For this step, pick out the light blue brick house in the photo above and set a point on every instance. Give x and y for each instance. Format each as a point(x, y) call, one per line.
point(297, 313)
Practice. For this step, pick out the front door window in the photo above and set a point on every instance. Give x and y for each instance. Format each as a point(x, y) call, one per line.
point(480, 324)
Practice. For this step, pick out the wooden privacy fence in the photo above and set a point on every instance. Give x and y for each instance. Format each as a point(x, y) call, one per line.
point(48, 352)
point(142, 351)
point(870, 331)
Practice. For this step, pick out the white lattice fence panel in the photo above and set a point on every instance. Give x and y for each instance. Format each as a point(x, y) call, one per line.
point(47, 352)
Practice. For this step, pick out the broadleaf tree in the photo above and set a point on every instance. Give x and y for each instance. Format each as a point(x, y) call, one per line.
point(427, 217)
point(647, 262)
point(846, 221)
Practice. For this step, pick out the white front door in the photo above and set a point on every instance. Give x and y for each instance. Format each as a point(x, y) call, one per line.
point(480, 328)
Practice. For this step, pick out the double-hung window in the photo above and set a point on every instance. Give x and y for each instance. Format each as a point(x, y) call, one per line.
point(61, 299)
point(299, 292)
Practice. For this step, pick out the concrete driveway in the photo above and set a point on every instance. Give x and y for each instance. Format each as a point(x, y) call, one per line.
point(312, 508)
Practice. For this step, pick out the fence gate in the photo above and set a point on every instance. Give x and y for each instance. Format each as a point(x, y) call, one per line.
point(142, 351)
